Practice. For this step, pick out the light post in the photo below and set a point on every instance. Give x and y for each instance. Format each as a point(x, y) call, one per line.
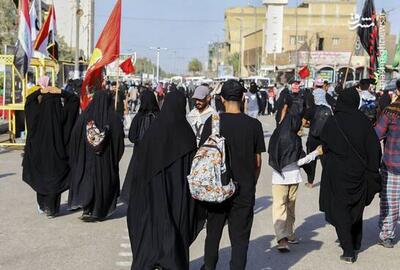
point(78, 14)
point(158, 49)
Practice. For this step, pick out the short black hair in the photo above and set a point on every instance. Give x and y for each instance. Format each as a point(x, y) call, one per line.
point(364, 84)
point(114, 84)
point(398, 84)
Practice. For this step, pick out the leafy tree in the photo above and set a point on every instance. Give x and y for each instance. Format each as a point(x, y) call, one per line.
point(233, 60)
point(8, 25)
point(66, 52)
point(195, 66)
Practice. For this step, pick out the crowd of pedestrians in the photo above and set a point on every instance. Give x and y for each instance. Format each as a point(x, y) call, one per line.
point(171, 198)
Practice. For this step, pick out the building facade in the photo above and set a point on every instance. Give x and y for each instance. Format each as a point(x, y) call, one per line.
point(315, 33)
point(66, 26)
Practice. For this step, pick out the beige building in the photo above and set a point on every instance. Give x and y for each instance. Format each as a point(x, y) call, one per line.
point(315, 33)
point(239, 22)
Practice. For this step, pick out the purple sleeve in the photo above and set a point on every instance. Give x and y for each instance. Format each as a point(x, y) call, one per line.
point(382, 126)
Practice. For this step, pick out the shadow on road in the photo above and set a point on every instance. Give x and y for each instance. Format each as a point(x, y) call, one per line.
point(6, 174)
point(262, 204)
point(263, 255)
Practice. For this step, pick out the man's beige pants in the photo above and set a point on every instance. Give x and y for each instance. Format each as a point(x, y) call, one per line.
point(283, 210)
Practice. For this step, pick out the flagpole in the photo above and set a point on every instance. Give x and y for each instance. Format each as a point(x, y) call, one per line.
point(350, 59)
point(117, 90)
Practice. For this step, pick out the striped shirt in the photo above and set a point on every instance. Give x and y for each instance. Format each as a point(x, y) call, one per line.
point(388, 126)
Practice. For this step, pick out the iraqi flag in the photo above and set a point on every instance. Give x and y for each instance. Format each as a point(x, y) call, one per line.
point(23, 53)
point(127, 66)
point(46, 41)
point(34, 22)
point(106, 51)
point(368, 33)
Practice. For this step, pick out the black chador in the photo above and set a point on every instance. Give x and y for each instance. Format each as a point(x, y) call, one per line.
point(163, 219)
point(97, 146)
point(49, 118)
point(147, 113)
point(348, 139)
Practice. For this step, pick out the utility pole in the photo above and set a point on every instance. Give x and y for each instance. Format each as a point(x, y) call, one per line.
point(91, 27)
point(240, 40)
point(297, 40)
point(40, 13)
point(78, 14)
point(158, 50)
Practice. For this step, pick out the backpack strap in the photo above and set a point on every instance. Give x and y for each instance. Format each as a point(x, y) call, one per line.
point(215, 124)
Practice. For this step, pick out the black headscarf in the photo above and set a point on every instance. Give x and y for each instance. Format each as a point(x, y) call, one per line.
point(147, 112)
point(253, 88)
point(170, 137)
point(348, 101)
point(100, 109)
point(285, 145)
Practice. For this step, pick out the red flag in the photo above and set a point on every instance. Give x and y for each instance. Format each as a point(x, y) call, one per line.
point(304, 72)
point(46, 41)
point(106, 51)
point(127, 66)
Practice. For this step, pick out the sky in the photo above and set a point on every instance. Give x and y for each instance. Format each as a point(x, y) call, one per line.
point(184, 27)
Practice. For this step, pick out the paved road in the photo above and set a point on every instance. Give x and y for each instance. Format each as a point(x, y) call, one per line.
point(32, 242)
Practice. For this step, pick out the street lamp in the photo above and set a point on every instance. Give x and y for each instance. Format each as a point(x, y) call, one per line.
point(158, 49)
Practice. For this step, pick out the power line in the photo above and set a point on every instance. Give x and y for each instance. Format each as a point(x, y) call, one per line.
point(167, 20)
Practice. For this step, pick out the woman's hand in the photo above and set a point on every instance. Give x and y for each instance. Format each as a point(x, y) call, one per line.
point(44, 90)
point(320, 151)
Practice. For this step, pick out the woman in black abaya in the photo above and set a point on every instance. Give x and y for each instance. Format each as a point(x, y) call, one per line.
point(163, 219)
point(344, 186)
point(97, 146)
point(45, 164)
point(148, 112)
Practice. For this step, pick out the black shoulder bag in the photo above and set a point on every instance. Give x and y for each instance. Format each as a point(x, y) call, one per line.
point(374, 179)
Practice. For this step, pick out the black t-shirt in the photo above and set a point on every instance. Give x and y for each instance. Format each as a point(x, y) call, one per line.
point(244, 138)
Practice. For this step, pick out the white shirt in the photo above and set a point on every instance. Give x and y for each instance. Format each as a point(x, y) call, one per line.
point(197, 120)
point(291, 173)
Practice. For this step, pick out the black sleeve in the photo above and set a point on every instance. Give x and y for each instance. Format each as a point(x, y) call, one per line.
point(259, 146)
point(117, 137)
point(32, 108)
point(206, 131)
point(331, 100)
point(70, 113)
point(310, 112)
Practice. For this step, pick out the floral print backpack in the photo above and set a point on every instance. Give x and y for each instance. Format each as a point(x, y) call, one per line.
point(210, 170)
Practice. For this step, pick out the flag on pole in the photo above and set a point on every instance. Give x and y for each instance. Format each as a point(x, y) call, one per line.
point(23, 53)
point(106, 51)
point(34, 21)
point(304, 72)
point(127, 66)
point(46, 41)
point(368, 33)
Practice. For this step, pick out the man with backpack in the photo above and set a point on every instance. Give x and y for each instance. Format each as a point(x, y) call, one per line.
point(244, 139)
point(315, 118)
